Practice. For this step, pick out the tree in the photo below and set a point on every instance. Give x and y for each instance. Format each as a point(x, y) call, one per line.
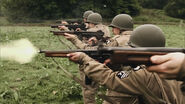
point(110, 8)
point(33, 10)
point(176, 8)
point(153, 4)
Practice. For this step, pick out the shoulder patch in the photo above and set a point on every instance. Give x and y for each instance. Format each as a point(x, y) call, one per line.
point(108, 41)
point(123, 74)
point(138, 68)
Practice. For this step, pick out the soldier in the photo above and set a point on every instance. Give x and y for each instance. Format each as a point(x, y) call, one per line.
point(94, 21)
point(169, 66)
point(94, 24)
point(145, 86)
point(85, 15)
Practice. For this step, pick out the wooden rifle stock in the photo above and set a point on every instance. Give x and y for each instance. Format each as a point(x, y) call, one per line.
point(118, 55)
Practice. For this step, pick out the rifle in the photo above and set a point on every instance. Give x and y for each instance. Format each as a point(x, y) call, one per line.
point(71, 27)
point(88, 34)
point(119, 55)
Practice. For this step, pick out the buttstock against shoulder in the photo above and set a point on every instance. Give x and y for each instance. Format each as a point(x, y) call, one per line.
point(138, 56)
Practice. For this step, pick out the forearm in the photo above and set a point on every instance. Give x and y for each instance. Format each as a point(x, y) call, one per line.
point(81, 45)
point(78, 43)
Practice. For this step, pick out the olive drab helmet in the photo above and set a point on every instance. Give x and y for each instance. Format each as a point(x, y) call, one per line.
point(87, 13)
point(123, 22)
point(94, 18)
point(147, 36)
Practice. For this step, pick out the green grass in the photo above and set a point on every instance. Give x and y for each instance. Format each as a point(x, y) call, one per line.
point(37, 81)
point(41, 81)
point(175, 35)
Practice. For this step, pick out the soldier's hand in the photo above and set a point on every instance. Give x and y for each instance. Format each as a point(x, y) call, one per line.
point(86, 25)
point(62, 28)
point(69, 36)
point(78, 29)
point(75, 23)
point(168, 66)
point(75, 57)
point(64, 22)
point(107, 61)
point(92, 41)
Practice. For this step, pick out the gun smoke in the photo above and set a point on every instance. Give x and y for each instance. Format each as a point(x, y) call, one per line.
point(21, 51)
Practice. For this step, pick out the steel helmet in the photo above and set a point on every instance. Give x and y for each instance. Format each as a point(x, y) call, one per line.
point(147, 36)
point(87, 13)
point(94, 18)
point(123, 22)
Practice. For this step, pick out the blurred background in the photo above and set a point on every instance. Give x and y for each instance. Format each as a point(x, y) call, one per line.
point(38, 11)
point(42, 81)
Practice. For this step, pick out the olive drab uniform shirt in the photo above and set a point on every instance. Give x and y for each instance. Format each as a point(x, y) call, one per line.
point(104, 29)
point(148, 87)
point(119, 40)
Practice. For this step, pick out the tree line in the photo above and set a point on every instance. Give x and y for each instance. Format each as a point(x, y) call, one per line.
point(33, 10)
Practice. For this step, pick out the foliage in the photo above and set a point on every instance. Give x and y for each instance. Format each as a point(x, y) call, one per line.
point(153, 4)
point(34, 10)
point(0, 8)
point(155, 16)
point(112, 7)
point(29, 10)
point(176, 8)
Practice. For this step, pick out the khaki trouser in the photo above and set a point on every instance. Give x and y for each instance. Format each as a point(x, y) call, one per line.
point(89, 94)
point(120, 98)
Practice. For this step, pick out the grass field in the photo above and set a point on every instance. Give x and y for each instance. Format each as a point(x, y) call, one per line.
point(41, 81)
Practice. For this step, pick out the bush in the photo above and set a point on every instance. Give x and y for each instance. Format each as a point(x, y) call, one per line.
point(176, 8)
point(34, 10)
point(113, 7)
point(153, 4)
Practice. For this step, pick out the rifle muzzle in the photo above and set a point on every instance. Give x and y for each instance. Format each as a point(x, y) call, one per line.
point(41, 51)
